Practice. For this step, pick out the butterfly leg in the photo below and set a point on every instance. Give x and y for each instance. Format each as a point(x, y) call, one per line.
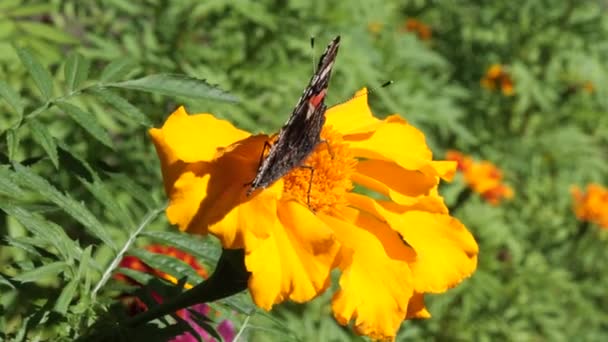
point(331, 153)
point(312, 172)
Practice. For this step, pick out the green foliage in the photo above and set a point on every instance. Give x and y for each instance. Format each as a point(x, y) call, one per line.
point(80, 187)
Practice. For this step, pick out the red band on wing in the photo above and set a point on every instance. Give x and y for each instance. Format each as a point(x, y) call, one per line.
point(316, 99)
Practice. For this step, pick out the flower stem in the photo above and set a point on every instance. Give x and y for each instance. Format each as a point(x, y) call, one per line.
point(230, 277)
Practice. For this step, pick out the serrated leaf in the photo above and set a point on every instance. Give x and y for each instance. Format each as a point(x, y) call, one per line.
point(12, 142)
point(47, 270)
point(47, 32)
point(43, 229)
point(101, 193)
point(201, 249)
point(168, 264)
point(11, 97)
point(140, 277)
point(116, 70)
point(7, 184)
point(24, 244)
point(87, 121)
point(66, 296)
point(84, 272)
point(122, 105)
point(42, 77)
point(44, 138)
point(73, 208)
point(76, 70)
point(136, 191)
point(177, 85)
point(74, 162)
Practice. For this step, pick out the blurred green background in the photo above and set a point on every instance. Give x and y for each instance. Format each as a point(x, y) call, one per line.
point(93, 175)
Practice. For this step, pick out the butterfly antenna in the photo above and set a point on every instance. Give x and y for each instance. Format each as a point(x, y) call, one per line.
point(312, 48)
point(369, 91)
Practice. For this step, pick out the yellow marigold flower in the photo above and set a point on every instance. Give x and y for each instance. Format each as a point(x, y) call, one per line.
point(422, 30)
point(592, 205)
point(483, 178)
point(390, 251)
point(497, 76)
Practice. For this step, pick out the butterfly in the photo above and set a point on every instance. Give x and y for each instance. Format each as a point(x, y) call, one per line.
point(302, 132)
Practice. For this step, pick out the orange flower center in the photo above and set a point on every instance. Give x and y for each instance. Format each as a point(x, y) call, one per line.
point(325, 176)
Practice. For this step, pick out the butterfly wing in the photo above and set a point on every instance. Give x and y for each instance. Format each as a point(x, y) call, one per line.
point(301, 133)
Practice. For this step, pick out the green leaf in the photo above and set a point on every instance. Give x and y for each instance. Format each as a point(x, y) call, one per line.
point(168, 264)
point(177, 85)
point(84, 270)
point(117, 69)
point(47, 32)
point(30, 10)
point(66, 296)
point(87, 121)
point(140, 277)
point(138, 192)
point(72, 207)
point(8, 186)
point(26, 244)
point(11, 97)
point(10, 5)
point(101, 193)
point(47, 270)
point(44, 138)
point(74, 161)
point(12, 143)
point(122, 105)
point(76, 70)
point(201, 249)
point(43, 229)
point(5, 281)
point(41, 76)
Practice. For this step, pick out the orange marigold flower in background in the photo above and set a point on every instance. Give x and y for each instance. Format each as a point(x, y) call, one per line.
point(291, 246)
point(483, 178)
point(498, 76)
point(464, 162)
point(591, 205)
point(422, 30)
point(588, 87)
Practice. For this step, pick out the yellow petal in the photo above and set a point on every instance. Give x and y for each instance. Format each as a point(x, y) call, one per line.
point(194, 138)
point(446, 169)
point(353, 116)
point(446, 251)
point(394, 140)
point(295, 260)
point(211, 193)
point(416, 307)
point(432, 203)
point(376, 284)
point(388, 178)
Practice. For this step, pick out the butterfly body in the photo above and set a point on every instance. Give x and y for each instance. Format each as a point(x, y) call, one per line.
point(302, 132)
